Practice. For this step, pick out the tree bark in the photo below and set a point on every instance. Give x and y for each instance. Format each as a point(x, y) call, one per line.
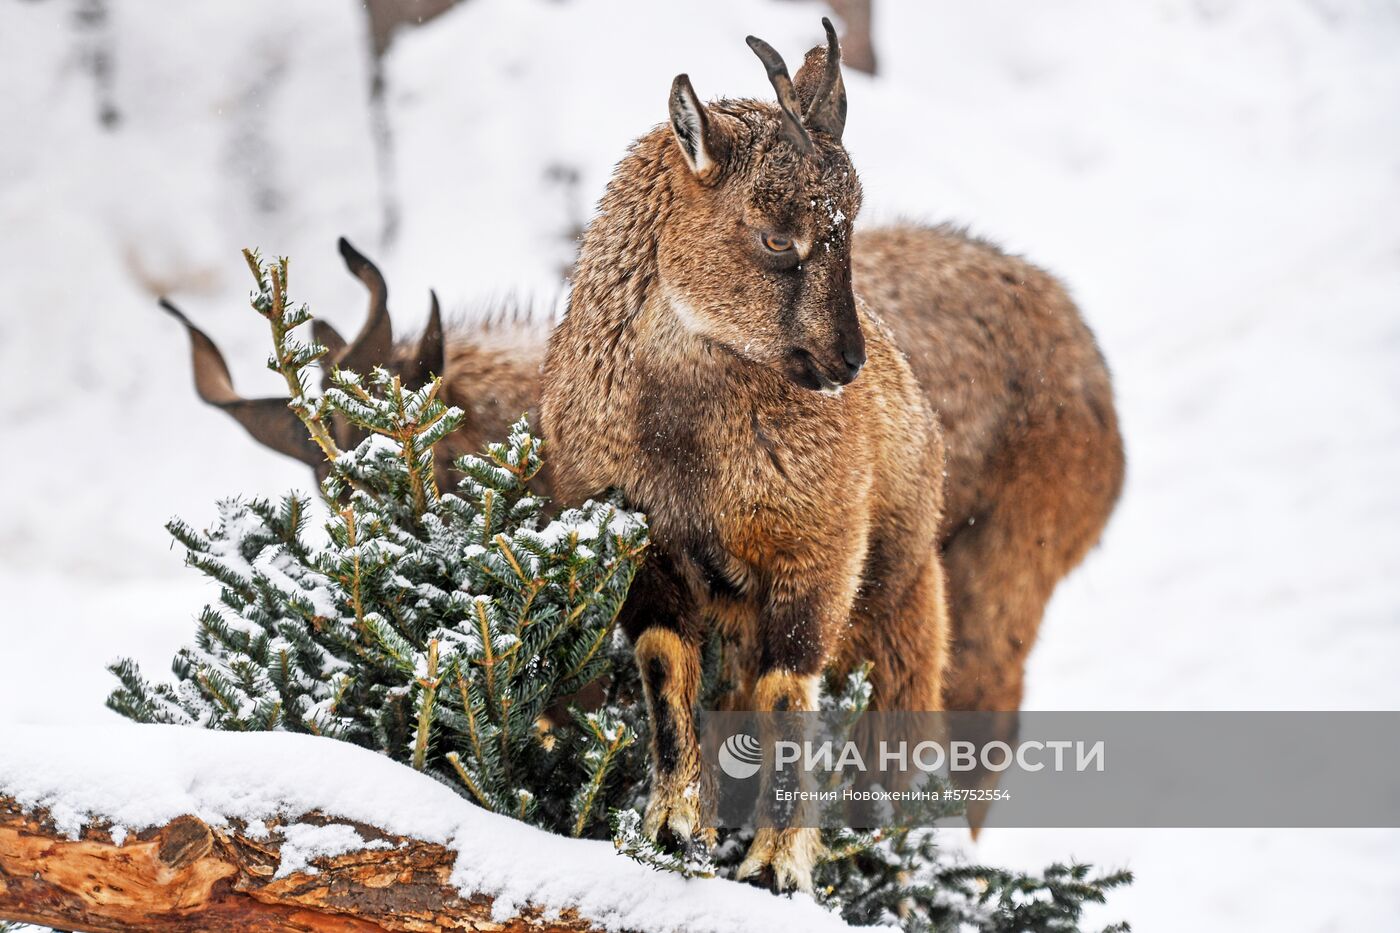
point(188, 876)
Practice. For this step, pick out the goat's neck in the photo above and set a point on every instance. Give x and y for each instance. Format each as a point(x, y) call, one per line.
point(616, 285)
point(618, 304)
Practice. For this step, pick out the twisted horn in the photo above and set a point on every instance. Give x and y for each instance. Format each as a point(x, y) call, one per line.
point(827, 111)
point(430, 353)
point(431, 349)
point(268, 420)
point(375, 342)
point(793, 130)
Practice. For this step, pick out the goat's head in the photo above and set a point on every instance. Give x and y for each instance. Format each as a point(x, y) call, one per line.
point(269, 420)
point(756, 253)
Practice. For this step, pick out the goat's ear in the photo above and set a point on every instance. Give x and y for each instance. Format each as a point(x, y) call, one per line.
point(328, 337)
point(696, 134)
point(429, 354)
point(268, 420)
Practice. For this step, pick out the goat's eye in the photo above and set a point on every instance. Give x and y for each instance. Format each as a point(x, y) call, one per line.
point(776, 244)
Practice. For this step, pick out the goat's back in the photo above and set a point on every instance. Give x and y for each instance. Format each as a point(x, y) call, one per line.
point(1003, 357)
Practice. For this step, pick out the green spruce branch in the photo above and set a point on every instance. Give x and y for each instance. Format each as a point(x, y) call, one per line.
point(289, 356)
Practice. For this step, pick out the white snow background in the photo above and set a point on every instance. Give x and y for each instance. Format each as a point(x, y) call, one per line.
point(1217, 180)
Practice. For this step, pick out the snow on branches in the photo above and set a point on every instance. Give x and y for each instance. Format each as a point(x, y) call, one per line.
point(435, 627)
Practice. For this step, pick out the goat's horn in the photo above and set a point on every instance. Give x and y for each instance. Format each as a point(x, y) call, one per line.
point(428, 356)
point(268, 420)
point(431, 348)
point(827, 111)
point(793, 129)
point(375, 343)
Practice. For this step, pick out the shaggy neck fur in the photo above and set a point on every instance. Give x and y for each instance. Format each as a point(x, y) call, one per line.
point(617, 265)
point(617, 305)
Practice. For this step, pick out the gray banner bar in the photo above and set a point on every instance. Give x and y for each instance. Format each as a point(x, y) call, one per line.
point(1054, 769)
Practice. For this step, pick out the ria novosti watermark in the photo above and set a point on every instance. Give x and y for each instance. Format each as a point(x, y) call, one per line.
point(1054, 769)
point(922, 757)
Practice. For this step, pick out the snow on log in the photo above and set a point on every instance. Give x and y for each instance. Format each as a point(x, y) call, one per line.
point(170, 828)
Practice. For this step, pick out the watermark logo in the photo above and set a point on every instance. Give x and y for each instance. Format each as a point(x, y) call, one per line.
point(840, 767)
point(740, 756)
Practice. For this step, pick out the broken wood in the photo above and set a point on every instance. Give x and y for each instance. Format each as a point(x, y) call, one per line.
point(188, 876)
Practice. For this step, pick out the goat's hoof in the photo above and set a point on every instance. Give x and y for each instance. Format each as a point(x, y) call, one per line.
point(782, 859)
point(673, 817)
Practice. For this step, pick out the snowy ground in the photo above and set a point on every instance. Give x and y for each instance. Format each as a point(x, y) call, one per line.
point(152, 775)
point(1218, 181)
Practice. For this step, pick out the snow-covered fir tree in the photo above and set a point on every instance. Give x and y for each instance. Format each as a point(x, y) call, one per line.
point(437, 627)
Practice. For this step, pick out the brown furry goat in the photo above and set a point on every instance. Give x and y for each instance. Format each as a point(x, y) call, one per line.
point(707, 368)
point(1035, 459)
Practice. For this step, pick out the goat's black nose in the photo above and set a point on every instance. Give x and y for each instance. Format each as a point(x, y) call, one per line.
point(854, 358)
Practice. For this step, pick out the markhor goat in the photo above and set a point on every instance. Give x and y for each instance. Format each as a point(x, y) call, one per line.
point(716, 367)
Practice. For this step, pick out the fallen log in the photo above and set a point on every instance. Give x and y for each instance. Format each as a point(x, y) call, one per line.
point(189, 876)
point(125, 827)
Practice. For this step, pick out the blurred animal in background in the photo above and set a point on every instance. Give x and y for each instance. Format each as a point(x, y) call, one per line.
point(489, 368)
point(1033, 451)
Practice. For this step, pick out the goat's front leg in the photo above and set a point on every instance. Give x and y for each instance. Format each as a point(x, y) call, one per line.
point(670, 668)
point(783, 857)
point(660, 619)
point(795, 643)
